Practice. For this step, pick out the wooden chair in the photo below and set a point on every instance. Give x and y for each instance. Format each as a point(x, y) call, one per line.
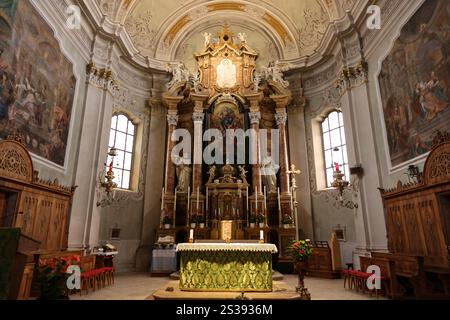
point(88, 276)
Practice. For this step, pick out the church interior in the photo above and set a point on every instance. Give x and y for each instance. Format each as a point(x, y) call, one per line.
point(224, 149)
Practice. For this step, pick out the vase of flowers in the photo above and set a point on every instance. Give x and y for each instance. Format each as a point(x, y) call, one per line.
point(167, 221)
point(287, 221)
point(260, 220)
point(201, 221)
point(301, 251)
point(252, 222)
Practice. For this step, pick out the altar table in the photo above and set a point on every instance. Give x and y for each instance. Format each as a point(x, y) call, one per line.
point(226, 267)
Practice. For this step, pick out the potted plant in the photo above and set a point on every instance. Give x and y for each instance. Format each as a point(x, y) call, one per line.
point(301, 251)
point(167, 221)
point(260, 220)
point(52, 277)
point(287, 221)
point(201, 221)
point(193, 221)
point(252, 222)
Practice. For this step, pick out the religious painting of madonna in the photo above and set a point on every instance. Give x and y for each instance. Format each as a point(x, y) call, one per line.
point(415, 83)
point(36, 82)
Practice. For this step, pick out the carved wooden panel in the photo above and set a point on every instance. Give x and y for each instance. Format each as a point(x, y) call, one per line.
point(437, 167)
point(15, 162)
point(433, 232)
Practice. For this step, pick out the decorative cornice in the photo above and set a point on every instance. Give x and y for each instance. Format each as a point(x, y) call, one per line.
point(102, 78)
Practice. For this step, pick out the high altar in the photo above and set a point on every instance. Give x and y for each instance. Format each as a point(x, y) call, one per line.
point(236, 198)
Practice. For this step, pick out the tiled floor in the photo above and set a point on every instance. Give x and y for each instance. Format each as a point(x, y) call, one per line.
point(138, 286)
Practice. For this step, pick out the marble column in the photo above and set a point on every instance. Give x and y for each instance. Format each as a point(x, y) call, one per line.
point(281, 118)
point(255, 118)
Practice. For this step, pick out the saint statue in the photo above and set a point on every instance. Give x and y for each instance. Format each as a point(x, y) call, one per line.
point(183, 175)
point(268, 172)
point(243, 174)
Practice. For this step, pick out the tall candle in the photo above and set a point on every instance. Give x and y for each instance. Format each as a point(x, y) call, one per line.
point(198, 197)
point(279, 200)
point(189, 199)
point(175, 204)
point(261, 234)
point(247, 197)
point(207, 193)
point(162, 200)
point(191, 234)
point(256, 199)
point(265, 198)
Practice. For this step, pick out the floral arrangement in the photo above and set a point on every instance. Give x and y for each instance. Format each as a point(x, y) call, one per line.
point(259, 218)
point(301, 250)
point(287, 219)
point(167, 219)
point(199, 219)
point(52, 277)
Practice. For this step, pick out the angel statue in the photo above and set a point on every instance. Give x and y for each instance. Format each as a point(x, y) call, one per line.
point(256, 80)
point(208, 37)
point(212, 174)
point(242, 37)
point(268, 172)
point(275, 72)
point(183, 175)
point(179, 74)
point(243, 174)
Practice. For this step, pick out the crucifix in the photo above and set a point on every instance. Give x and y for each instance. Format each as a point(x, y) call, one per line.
point(294, 172)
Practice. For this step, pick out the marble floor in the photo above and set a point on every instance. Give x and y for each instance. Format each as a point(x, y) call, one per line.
point(139, 286)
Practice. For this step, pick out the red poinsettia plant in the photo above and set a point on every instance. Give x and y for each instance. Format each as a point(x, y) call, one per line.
point(301, 250)
point(52, 276)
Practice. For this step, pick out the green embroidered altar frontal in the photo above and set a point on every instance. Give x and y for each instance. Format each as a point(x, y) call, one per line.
point(226, 267)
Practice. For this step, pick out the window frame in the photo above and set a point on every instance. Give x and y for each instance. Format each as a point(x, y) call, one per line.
point(125, 152)
point(342, 147)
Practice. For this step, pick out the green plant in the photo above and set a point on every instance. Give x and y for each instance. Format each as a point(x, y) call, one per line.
point(259, 218)
point(52, 277)
point(301, 250)
point(167, 220)
point(200, 219)
point(287, 219)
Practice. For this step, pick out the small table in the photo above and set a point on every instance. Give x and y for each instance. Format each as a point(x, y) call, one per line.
point(164, 261)
point(238, 267)
point(104, 259)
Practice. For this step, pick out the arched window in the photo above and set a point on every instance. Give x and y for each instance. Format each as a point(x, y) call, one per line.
point(334, 145)
point(122, 137)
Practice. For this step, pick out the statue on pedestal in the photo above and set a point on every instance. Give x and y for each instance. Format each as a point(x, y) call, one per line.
point(183, 175)
point(268, 173)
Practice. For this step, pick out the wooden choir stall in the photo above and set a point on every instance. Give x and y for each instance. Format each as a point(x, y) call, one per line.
point(418, 230)
point(34, 219)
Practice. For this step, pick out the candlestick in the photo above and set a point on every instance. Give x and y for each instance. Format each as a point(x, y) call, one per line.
point(198, 197)
point(162, 200)
point(256, 199)
point(265, 198)
point(247, 197)
point(175, 204)
point(189, 199)
point(279, 201)
point(207, 193)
